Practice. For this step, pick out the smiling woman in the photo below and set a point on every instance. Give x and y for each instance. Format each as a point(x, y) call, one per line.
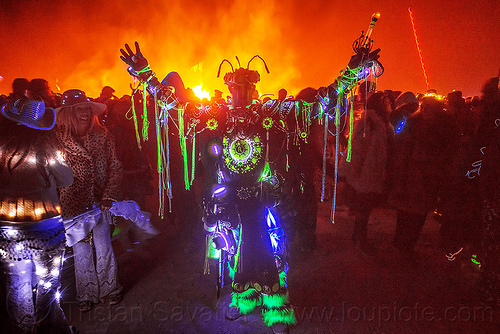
point(90, 150)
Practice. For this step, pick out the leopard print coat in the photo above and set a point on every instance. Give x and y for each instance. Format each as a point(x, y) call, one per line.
point(96, 170)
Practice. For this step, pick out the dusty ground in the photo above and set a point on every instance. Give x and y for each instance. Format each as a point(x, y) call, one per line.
point(335, 289)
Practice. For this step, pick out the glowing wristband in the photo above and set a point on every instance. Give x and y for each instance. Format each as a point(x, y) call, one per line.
point(145, 69)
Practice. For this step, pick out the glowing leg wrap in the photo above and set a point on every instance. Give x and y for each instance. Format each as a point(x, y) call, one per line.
point(246, 301)
point(276, 308)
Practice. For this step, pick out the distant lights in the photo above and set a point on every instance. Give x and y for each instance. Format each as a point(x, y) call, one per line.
point(434, 95)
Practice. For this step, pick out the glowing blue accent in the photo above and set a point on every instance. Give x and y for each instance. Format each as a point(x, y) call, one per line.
point(215, 150)
point(271, 221)
point(219, 191)
point(363, 74)
point(220, 176)
point(275, 232)
point(400, 126)
point(222, 236)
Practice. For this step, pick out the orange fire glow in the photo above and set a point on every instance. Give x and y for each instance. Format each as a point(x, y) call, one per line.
point(199, 92)
point(304, 43)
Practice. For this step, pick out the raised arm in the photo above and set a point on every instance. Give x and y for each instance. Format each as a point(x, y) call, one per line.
point(139, 68)
point(362, 64)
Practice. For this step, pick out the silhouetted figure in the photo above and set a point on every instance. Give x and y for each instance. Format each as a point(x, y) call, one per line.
point(38, 89)
point(19, 88)
point(490, 193)
point(366, 175)
point(423, 150)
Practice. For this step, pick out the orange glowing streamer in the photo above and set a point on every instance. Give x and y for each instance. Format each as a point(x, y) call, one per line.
point(418, 48)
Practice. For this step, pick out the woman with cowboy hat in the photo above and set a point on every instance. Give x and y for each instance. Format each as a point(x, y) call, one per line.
point(32, 238)
point(90, 151)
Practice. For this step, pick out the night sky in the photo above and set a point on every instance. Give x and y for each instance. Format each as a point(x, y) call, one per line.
point(75, 44)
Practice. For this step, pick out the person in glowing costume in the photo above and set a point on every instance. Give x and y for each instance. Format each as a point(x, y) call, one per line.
point(244, 149)
point(32, 238)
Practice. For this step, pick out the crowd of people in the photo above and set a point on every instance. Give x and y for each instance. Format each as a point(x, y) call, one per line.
point(418, 154)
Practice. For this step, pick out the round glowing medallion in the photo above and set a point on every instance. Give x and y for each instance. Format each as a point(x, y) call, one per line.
point(242, 153)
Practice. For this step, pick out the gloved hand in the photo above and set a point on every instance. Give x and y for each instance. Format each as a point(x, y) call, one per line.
point(137, 60)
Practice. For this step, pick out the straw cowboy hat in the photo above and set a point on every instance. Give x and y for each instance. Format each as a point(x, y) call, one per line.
point(31, 113)
point(76, 97)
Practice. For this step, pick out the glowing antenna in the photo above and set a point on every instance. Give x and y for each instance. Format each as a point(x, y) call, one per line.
point(418, 48)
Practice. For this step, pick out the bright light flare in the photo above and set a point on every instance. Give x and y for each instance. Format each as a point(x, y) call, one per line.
point(199, 92)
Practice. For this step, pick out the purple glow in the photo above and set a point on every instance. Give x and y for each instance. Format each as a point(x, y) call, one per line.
point(215, 149)
point(219, 191)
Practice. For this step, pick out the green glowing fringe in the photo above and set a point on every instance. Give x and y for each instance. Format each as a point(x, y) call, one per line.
point(284, 316)
point(231, 272)
point(282, 276)
point(276, 301)
point(246, 301)
point(145, 121)
point(136, 126)
point(266, 173)
point(162, 177)
point(340, 98)
point(325, 145)
point(238, 254)
point(351, 126)
point(182, 140)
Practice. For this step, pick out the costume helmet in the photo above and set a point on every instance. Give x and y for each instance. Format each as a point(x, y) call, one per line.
point(241, 82)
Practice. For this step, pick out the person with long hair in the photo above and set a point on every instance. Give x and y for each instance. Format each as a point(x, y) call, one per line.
point(32, 236)
point(91, 153)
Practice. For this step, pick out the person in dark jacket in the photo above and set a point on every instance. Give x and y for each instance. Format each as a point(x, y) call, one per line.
point(421, 162)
